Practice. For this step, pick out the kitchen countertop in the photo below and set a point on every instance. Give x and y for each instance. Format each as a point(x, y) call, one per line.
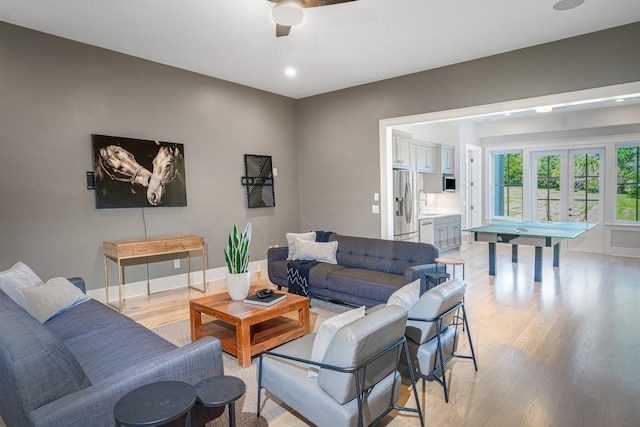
point(431, 215)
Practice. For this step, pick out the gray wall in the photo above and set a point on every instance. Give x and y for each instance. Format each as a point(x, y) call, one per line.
point(55, 93)
point(338, 132)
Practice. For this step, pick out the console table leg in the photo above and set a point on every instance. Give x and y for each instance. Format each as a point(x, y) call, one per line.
point(188, 269)
point(120, 279)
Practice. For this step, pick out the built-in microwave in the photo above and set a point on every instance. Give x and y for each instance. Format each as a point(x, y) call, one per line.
point(448, 183)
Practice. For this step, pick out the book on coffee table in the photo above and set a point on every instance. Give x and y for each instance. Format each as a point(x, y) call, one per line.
point(270, 300)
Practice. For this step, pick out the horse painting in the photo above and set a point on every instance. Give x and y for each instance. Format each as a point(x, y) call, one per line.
point(120, 165)
point(164, 172)
point(124, 166)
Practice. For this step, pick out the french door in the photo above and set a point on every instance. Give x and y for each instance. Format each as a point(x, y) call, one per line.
point(568, 187)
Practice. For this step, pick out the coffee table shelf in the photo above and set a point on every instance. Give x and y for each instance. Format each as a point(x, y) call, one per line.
point(245, 330)
point(264, 336)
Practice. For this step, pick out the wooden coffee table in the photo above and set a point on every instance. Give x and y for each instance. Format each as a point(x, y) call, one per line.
point(245, 330)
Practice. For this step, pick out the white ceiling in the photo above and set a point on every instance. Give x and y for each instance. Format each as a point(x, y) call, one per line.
point(335, 47)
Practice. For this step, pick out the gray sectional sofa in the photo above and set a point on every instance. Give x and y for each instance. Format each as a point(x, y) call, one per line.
point(367, 272)
point(71, 370)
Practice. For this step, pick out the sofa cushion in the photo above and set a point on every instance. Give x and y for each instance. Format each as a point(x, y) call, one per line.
point(54, 297)
point(33, 361)
point(370, 284)
point(425, 356)
point(318, 251)
point(389, 256)
point(17, 277)
point(407, 296)
point(328, 329)
point(435, 301)
point(104, 341)
point(292, 242)
point(318, 274)
point(357, 342)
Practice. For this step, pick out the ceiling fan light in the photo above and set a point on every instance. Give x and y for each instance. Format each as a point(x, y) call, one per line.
point(288, 14)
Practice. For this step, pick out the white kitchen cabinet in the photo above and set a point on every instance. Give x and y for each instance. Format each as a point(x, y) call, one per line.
point(447, 232)
point(447, 158)
point(402, 150)
point(426, 158)
point(426, 231)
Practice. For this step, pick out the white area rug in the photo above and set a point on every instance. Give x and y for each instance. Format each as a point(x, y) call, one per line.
point(179, 333)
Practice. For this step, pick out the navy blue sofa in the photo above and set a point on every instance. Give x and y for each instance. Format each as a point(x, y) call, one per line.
point(71, 370)
point(368, 270)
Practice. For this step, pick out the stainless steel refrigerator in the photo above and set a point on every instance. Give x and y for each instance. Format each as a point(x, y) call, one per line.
point(405, 220)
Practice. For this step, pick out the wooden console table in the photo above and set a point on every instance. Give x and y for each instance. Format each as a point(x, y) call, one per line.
point(118, 250)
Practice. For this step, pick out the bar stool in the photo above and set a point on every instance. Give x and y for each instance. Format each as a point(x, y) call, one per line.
point(453, 262)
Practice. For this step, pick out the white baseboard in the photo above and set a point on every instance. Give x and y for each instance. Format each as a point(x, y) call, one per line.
point(215, 279)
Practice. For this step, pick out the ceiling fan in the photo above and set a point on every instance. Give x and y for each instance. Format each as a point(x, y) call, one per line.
point(288, 13)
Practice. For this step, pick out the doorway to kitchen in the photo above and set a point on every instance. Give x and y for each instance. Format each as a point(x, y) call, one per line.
point(579, 100)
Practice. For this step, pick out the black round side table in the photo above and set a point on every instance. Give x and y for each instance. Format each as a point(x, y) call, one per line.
point(435, 278)
point(220, 391)
point(155, 404)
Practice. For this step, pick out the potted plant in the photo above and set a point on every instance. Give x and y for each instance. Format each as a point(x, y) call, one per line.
point(236, 254)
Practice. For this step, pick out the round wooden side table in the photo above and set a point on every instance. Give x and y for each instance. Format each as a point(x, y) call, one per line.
point(453, 262)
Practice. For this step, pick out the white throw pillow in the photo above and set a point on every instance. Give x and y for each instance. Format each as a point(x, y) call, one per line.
point(54, 297)
point(291, 241)
point(328, 329)
point(17, 277)
point(407, 296)
point(319, 251)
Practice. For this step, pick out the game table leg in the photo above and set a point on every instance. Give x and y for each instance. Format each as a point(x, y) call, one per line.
point(492, 259)
point(538, 266)
point(556, 255)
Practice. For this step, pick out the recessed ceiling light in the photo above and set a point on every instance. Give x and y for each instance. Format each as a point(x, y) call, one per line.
point(567, 4)
point(545, 109)
point(290, 72)
point(620, 100)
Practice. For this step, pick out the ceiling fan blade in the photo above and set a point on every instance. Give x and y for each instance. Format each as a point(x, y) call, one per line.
point(282, 30)
point(315, 3)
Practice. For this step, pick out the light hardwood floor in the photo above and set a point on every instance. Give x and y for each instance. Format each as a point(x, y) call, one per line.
point(564, 352)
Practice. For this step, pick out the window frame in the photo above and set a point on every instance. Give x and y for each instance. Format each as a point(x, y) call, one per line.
point(494, 184)
point(636, 145)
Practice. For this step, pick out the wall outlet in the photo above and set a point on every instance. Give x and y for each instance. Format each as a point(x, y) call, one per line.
point(375, 209)
point(176, 263)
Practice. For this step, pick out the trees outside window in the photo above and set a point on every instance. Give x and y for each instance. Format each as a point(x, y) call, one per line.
point(628, 180)
point(508, 185)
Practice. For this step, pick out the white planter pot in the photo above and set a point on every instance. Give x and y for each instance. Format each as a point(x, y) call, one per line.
point(238, 285)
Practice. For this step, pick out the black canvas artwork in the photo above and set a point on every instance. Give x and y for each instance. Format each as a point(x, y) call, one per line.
point(136, 173)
